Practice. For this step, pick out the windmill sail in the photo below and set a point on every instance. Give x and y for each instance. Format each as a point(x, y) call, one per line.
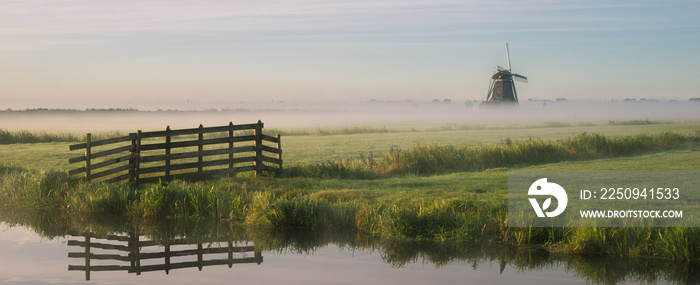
point(519, 78)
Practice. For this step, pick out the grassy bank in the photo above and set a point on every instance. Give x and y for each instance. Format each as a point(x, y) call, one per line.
point(432, 159)
point(463, 200)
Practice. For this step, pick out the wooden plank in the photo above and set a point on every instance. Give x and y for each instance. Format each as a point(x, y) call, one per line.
point(111, 151)
point(269, 149)
point(113, 140)
point(152, 158)
point(115, 170)
point(194, 131)
point(99, 268)
point(269, 168)
point(118, 238)
point(195, 165)
point(110, 162)
point(77, 146)
point(270, 138)
point(99, 256)
point(205, 172)
point(76, 159)
point(193, 264)
point(188, 252)
point(271, 160)
point(99, 245)
point(76, 171)
point(229, 170)
point(196, 142)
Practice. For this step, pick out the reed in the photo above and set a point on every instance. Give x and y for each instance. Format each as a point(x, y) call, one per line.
point(435, 159)
point(12, 137)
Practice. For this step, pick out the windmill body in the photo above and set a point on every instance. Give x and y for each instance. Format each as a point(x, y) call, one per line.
point(502, 86)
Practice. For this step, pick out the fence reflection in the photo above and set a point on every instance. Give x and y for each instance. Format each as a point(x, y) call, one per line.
point(126, 253)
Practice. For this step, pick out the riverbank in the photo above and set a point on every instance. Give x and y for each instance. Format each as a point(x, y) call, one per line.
point(438, 201)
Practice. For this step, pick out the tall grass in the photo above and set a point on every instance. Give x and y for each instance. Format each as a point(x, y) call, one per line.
point(8, 137)
point(432, 159)
point(13, 137)
point(435, 221)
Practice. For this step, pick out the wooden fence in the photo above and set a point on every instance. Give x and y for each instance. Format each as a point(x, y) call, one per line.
point(100, 254)
point(146, 157)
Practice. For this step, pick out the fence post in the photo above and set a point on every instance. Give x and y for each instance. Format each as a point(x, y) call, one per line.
point(200, 148)
point(230, 149)
point(132, 160)
point(87, 257)
point(279, 153)
point(230, 253)
point(137, 157)
point(258, 148)
point(134, 253)
point(88, 153)
point(258, 257)
point(200, 256)
point(167, 257)
point(167, 153)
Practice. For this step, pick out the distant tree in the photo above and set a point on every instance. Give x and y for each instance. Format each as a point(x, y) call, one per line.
point(446, 100)
point(436, 100)
point(629, 100)
point(697, 99)
point(560, 99)
point(372, 100)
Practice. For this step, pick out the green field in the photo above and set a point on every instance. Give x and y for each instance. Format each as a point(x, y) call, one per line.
point(302, 149)
point(436, 206)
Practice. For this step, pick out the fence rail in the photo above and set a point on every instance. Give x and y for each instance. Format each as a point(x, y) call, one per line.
point(145, 157)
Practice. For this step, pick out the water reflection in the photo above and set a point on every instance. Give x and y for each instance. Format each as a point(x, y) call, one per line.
point(130, 250)
point(137, 247)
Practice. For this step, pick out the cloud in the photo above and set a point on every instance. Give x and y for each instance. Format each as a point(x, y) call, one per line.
point(40, 18)
point(78, 17)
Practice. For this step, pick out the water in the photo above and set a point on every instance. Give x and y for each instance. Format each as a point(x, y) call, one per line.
point(30, 259)
point(43, 251)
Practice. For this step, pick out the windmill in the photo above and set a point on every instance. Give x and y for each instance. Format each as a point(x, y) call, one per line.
point(502, 87)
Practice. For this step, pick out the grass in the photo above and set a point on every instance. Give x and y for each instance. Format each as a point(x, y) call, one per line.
point(7, 137)
point(27, 137)
point(438, 194)
point(432, 159)
point(438, 209)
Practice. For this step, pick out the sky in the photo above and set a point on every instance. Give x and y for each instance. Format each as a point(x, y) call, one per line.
point(79, 52)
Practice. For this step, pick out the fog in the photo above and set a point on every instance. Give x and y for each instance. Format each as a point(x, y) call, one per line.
point(312, 115)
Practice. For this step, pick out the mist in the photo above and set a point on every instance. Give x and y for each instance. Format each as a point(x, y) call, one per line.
point(313, 115)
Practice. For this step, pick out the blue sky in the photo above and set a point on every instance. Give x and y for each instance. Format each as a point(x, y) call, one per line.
point(101, 51)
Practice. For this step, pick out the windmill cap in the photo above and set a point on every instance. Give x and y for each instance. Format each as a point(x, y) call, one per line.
point(501, 75)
